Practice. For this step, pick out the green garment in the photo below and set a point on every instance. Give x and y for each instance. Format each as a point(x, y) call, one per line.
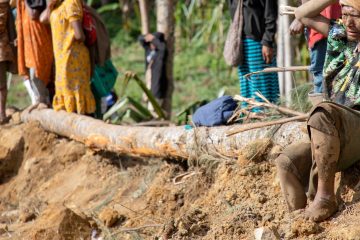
point(341, 68)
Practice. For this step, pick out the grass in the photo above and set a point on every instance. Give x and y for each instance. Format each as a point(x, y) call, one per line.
point(17, 96)
point(199, 69)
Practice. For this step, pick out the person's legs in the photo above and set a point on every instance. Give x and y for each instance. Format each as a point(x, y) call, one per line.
point(38, 86)
point(292, 189)
point(29, 90)
point(293, 169)
point(243, 69)
point(326, 151)
point(317, 56)
point(3, 92)
point(266, 84)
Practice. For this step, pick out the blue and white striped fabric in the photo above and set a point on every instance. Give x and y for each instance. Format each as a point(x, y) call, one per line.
point(267, 84)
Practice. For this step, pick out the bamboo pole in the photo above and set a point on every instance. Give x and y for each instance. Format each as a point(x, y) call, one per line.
point(279, 69)
point(176, 142)
point(165, 23)
point(144, 14)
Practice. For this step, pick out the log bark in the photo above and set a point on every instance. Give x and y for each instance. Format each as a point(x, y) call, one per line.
point(175, 142)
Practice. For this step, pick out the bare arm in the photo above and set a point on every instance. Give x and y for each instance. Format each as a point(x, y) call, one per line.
point(79, 32)
point(45, 16)
point(309, 15)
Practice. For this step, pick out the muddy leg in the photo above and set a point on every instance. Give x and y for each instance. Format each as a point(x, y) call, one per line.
point(291, 186)
point(326, 150)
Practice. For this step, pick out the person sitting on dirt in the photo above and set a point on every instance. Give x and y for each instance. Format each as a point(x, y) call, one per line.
point(333, 125)
point(155, 59)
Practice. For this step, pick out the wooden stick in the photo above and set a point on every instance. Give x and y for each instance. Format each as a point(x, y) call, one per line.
point(287, 13)
point(279, 69)
point(268, 105)
point(280, 109)
point(251, 126)
point(287, 10)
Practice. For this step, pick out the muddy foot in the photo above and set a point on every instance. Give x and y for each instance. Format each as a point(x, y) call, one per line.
point(320, 210)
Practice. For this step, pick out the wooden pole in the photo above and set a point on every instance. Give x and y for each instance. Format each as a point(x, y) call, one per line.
point(279, 69)
point(165, 23)
point(175, 142)
point(145, 26)
point(286, 54)
point(280, 56)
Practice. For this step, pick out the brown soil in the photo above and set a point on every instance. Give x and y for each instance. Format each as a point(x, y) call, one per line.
point(54, 188)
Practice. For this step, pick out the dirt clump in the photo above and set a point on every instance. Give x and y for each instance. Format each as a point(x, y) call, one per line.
point(111, 217)
point(11, 152)
point(59, 223)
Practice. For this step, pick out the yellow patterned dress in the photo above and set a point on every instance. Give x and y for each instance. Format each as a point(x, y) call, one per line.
point(72, 61)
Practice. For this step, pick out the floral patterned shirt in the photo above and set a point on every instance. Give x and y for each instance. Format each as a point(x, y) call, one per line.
point(341, 68)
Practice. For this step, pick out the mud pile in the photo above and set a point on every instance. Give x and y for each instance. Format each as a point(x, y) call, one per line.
point(54, 188)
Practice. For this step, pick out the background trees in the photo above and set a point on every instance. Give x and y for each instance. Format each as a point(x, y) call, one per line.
point(199, 27)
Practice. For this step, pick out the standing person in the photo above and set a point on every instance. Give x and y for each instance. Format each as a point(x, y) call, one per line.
point(72, 60)
point(155, 65)
point(7, 55)
point(259, 28)
point(333, 126)
point(35, 52)
point(317, 43)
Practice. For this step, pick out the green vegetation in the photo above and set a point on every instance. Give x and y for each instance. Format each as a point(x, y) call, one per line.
point(199, 69)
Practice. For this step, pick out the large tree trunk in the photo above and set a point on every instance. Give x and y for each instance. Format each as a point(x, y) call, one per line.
point(166, 24)
point(175, 142)
point(145, 26)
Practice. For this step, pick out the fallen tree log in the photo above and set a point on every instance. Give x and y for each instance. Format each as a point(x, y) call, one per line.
point(174, 142)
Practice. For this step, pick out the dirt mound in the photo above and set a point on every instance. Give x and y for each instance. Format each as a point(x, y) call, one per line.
point(58, 223)
point(53, 188)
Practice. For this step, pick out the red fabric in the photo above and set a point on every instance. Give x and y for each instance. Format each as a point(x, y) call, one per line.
point(331, 12)
point(89, 27)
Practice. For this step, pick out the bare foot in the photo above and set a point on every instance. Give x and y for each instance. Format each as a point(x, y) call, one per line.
point(4, 120)
point(37, 106)
point(42, 106)
point(321, 209)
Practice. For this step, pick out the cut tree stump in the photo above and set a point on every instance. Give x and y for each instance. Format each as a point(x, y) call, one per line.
point(174, 142)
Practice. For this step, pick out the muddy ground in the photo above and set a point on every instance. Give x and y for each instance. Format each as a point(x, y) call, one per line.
point(55, 188)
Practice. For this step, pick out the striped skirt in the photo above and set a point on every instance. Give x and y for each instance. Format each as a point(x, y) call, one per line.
point(267, 84)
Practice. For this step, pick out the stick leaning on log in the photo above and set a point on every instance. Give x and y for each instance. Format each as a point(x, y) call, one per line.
point(297, 116)
point(251, 126)
point(267, 104)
